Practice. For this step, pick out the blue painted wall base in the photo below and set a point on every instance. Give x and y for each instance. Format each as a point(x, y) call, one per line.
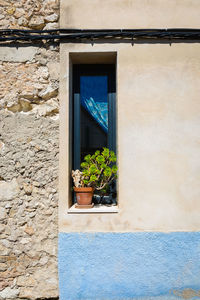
point(105, 266)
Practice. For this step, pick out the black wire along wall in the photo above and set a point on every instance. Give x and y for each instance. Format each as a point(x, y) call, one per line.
point(69, 35)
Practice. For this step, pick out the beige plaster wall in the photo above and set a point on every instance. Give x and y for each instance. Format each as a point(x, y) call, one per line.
point(158, 88)
point(129, 13)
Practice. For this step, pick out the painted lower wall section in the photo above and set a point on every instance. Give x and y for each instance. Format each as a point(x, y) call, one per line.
point(124, 266)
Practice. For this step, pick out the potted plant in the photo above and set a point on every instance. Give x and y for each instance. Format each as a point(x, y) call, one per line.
point(97, 172)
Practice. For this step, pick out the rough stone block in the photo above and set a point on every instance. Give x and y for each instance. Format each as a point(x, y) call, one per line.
point(49, 92)
point(4, 250)
point(2, 213)
point(49, 108)
point(8, 190)
point(36, 22)
point(26, 280)
point(51, 26)
point(51, 18)
point(21, 54)
point(9, 293)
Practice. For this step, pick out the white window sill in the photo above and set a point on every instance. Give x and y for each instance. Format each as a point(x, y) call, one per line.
point(95, 209)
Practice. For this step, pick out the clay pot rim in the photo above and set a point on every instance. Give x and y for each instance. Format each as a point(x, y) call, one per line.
point(84, 189)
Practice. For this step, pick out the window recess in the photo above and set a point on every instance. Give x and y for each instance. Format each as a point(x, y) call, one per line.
point(94, 116)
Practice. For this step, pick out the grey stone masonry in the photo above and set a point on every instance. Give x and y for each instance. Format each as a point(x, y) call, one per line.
point(28, 206)
point(29, 121)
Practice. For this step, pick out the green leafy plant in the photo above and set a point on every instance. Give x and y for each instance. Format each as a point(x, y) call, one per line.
point(99, 169)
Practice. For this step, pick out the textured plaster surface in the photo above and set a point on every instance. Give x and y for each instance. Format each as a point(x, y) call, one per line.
point(130, 14)
point(129, 266)
point(158, 119)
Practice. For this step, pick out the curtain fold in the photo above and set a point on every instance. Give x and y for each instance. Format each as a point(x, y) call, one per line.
point(98, 110)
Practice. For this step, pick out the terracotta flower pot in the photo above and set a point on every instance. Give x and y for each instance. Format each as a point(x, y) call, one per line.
point(84, 195)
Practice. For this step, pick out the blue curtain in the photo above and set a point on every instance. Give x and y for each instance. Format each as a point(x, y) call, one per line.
point(94, 98)
point(98, 110)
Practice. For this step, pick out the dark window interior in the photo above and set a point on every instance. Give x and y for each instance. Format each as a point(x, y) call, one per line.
point(94, 132)
point(94, 113)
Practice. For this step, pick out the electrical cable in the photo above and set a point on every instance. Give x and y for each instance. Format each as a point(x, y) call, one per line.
point(67, 35)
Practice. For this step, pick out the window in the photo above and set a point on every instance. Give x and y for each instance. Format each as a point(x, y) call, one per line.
point(94, 113)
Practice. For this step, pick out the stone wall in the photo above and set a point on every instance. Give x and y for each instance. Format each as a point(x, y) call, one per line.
point(30, 85)
point(29, 117)
point(28, 206)
point(29, 14)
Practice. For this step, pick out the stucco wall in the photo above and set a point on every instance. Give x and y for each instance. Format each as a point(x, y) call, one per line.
point(158, 133)
point(129, 14)
point(127, 266)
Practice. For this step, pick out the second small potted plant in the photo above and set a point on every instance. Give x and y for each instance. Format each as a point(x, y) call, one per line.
point(97, 172)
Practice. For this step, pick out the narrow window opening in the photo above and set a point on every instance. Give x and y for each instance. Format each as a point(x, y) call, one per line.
point(94, 116)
